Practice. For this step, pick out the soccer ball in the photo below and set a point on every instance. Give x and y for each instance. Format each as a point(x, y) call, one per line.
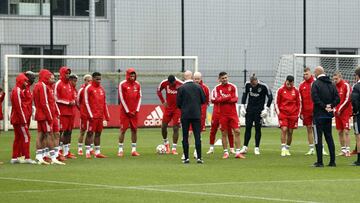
point(161, 149)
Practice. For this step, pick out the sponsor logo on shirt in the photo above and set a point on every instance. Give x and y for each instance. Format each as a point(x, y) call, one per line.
point(170, 91)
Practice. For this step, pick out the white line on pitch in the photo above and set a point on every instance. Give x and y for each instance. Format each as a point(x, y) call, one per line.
point(253, 182)
point(52, 190)
point(157, 190)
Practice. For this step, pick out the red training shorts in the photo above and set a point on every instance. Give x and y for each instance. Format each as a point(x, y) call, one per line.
point(84, 124)
point(127, 121)
point(173, 115)
point(342, 122)
point(66, 123)
point(229, 122)
point(95, 125)
point(307, 119)
point(43, 126)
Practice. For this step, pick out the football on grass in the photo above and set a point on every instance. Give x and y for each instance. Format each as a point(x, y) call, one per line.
point(161, 149)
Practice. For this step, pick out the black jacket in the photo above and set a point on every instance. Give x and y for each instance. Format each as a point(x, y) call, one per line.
point(257, 97)
point(355, 98)
point(324, 92)
point(189, 98)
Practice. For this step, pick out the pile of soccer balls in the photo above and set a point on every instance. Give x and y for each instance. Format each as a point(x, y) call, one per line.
point(161, 149)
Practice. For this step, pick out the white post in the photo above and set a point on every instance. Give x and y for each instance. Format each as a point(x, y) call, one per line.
point(92, 33)
point(294, 68)
point(6, 90)
point(196, 64)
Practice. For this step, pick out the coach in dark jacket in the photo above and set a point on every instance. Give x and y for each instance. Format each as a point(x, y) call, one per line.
point(325, 98)
point(355, 101)
point(189, 98)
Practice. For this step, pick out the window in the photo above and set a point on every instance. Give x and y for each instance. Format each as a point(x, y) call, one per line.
point(4, 5)
point(344, 65)
point(36, 64)
point(61, 7)
point(82, 7)
point(42, 7)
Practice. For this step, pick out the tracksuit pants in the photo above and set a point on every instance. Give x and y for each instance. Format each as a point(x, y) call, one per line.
point(196, 127)
point(250, 118)
point(323, 126)
point(21, 145)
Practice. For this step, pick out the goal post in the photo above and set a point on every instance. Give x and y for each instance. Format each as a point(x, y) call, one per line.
point(151, 70)
point(293, 64)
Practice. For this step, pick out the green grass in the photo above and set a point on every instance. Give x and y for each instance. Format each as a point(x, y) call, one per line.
point(163, 178)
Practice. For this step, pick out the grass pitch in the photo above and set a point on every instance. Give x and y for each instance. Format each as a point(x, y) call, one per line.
point(163, 178)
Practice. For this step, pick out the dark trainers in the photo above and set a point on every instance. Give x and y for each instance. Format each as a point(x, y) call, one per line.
point(199, 161)
point(186, 161)
point(332, 164)
point(356, 163)
point(316, 164)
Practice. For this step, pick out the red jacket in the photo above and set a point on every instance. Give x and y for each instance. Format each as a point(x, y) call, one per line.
point(216, 109)
point(95, 101)
point(28, 102)
point(80, 101)
point(130, 94)
point(17, 101)
point(207, 95)
point(344, 91)
point(226, 97)
point(74, 97)
point(55, 111)
point(2, 96)
point(64, 93)
point(171, 92)
point(305, 96)
point(41, 95)
point(287, 102)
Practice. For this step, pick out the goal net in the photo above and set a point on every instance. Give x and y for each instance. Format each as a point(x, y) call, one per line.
point(294, 65)
point(151, 70)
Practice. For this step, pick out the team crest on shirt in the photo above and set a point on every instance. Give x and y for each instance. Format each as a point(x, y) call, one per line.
point(259, 89)
point(229, 88)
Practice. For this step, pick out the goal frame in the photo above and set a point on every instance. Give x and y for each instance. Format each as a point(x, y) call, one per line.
point(18, 56)
point(318, 56)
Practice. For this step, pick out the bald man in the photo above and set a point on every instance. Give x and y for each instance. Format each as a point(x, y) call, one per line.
point(325, 98)
point(189, 99)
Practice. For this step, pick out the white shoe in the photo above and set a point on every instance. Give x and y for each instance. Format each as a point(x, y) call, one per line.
point(21, 159)
point(57, 162)
point(211, 151)
point(195, 155)
point(287, 152)
point(183, 157)
point(283, 152)
point(42, 162)
point(14, 161)
point(243, 150)
point(257, 151)
point(28, 161)
point(310, 152)
point(232, 151)
point(342, 153)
